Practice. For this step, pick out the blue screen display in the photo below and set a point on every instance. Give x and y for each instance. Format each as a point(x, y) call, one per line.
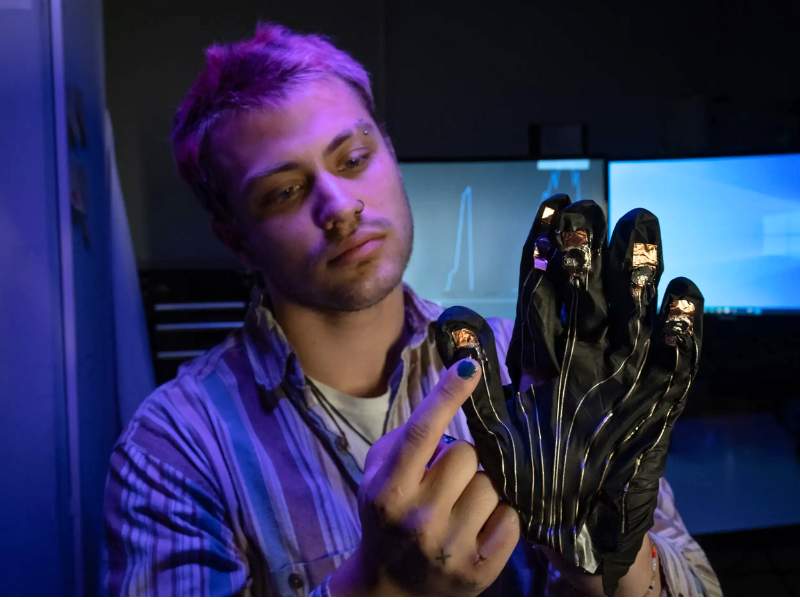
point(472, 218)
point(731, 224)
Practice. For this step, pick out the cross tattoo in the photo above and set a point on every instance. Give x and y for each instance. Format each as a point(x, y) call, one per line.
point(442, 557)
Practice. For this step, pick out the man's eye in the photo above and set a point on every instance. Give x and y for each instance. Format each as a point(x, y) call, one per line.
point(285, 194)
point(355, 161)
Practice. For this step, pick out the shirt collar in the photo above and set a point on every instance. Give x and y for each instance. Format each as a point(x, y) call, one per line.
point(272, 358)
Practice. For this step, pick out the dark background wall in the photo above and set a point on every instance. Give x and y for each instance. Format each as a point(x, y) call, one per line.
point(468, 79)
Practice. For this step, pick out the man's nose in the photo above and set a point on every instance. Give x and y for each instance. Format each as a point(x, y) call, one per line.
point(336, 210)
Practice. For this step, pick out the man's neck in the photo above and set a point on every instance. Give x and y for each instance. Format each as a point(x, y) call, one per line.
point(351, 351)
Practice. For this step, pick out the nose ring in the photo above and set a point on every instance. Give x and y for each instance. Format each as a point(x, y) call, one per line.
point(361, 208)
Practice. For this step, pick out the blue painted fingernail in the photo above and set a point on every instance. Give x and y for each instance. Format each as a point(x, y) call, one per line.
point(466, 369)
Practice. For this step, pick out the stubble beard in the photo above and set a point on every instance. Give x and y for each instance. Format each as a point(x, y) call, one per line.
point(366, 290)
point(362, 290)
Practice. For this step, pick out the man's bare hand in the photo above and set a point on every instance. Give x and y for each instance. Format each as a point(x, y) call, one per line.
point(432, 524)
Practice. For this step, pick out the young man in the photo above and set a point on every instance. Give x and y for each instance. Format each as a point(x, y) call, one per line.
point(306, 453)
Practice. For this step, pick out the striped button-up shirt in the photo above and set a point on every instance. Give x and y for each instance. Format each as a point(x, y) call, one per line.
point(228, 480)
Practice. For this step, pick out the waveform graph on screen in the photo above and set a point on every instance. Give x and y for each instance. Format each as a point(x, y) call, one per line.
point(470, 222)
point(464, 222)
point(554, 187)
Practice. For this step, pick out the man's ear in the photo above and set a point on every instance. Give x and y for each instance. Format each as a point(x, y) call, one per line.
point(229, 234)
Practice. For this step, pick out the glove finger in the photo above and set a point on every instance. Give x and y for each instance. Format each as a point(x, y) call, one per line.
point(635, 265)
point(681, 318)
point(581, 241)
point(461, 332)
point(673, 364)
point(532, 346)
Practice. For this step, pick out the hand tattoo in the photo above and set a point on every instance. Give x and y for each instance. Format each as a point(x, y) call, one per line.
point(442, 557)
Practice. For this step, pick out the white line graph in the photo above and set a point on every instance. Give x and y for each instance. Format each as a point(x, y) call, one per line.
point(464, 220)
point(554, 181)
point(465, 226)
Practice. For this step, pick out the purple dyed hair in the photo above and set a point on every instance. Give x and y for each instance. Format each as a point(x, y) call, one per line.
point(254, 73)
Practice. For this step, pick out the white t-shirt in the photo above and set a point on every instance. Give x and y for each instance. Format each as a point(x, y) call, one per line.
point(366, 415)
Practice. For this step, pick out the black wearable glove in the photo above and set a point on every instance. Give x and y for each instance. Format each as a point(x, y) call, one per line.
point(578, 441)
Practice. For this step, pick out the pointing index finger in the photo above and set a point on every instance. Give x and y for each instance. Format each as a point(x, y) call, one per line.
point(425, 426)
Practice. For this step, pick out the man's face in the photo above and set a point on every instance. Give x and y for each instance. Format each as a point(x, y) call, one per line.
point(318, 202)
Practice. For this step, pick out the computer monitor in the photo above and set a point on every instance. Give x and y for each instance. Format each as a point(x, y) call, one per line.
point(731, 224)
point(472, 218)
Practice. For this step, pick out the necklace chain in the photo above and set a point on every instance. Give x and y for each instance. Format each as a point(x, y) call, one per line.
point(328, 406)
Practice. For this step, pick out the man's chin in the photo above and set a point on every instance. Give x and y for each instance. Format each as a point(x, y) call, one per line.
point(357, 296)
